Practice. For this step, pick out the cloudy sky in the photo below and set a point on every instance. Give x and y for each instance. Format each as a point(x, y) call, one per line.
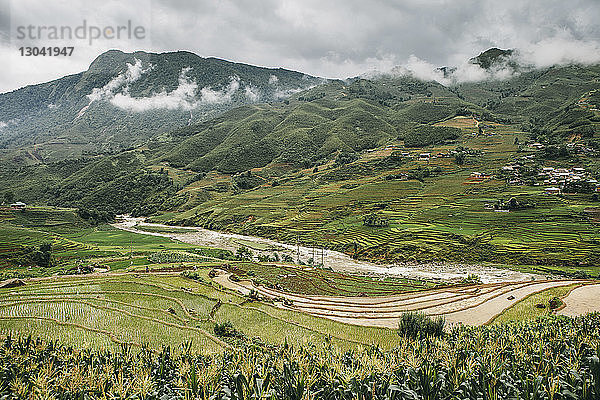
point(328, 38)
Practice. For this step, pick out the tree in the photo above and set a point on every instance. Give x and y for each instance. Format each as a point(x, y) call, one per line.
point(346, 157)
point(244, 254)
point(459, 158)
point(375, 220)
point(43, 255)
point(9, 197)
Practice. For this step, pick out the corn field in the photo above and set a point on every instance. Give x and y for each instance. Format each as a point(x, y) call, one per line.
point(551, 358)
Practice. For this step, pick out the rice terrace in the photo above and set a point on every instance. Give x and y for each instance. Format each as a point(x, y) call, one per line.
point(174, 226)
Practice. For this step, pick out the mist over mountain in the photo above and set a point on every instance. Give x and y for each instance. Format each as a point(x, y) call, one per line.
point(124, 99)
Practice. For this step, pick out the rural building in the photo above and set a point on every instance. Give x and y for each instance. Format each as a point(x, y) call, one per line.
point(18, 205)
point(552, 190)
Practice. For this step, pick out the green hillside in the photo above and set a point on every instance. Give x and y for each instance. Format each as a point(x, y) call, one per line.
point(326, 162)
point(56, 120)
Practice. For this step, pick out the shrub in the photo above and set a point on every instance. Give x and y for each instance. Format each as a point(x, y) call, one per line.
point(345, 157)
point(227, 330)
point(471, 279)
point(555, 303)
point(418, 325)
point(375, 220)
point(244, 254)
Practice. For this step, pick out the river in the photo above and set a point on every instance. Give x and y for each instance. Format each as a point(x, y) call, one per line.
point(335, 260)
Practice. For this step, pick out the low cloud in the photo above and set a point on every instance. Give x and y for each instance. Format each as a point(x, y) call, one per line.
point(210, 96)
point(133, 73)
point(449, 75)
point(252, 93)
point(183, 97)
point(7, 124)
point(186, 96)
point(273, 80)
point(560, 50)
point(285, 93)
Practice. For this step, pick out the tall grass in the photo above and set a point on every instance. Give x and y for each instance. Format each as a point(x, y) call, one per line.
point(417, 325)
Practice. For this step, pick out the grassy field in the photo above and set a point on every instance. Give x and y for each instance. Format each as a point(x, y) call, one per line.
point(157, 310)
point(528, 309)
point(77, 243)
point(439, 218)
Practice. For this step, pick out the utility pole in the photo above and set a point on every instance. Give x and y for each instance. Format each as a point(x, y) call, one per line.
point(298, 248)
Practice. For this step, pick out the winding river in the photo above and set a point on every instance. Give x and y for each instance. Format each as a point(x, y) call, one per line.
point(333, 259)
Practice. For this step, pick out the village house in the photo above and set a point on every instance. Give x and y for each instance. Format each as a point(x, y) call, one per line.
point(18, 205)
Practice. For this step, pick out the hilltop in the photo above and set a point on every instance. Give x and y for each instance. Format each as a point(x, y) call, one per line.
point(125, 99)
point(381, 165)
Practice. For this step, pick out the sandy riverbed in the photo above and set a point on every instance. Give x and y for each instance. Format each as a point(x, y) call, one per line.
point(336, 260)
point(582, 300)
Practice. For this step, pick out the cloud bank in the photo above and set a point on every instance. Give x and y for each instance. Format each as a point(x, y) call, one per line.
point(186, 96)
point(333, 39)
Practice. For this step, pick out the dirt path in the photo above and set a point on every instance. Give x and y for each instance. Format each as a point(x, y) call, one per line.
point(582, 300)
point(474, 305)
point(338, 261)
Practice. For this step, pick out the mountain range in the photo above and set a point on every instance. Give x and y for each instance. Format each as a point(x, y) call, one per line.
point(125, 99)
point(89, 138)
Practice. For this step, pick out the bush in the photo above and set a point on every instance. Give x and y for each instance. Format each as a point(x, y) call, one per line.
point(418, 325)
point(471, 279)
point(375, 220)
point(244, 254)
point(345, 157)
point(555, 303)
point(226, 330)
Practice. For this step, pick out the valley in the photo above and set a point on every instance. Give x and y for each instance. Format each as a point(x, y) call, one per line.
point(277, 221)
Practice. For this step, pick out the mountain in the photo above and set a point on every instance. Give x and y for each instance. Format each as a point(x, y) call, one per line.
point(494, 58)
point(331, 123)
point(314, 126)
point(124, 99)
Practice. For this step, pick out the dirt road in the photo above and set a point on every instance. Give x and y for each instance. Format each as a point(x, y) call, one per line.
point(471, 305)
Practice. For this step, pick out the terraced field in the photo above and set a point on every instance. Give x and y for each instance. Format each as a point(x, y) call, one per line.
point(471, 305)
point(441, 217)
point(105, 310)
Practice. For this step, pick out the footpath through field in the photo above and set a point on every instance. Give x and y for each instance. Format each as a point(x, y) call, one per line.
point(470, 305)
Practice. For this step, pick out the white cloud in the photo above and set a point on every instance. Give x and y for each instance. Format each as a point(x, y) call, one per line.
point(3, 125)
point(252, 93)
point(334, 39)
point(273, 80)
point(283, 94)
point(210, 96)
point(185, 97)
point(561, 49)
point(133, 73)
